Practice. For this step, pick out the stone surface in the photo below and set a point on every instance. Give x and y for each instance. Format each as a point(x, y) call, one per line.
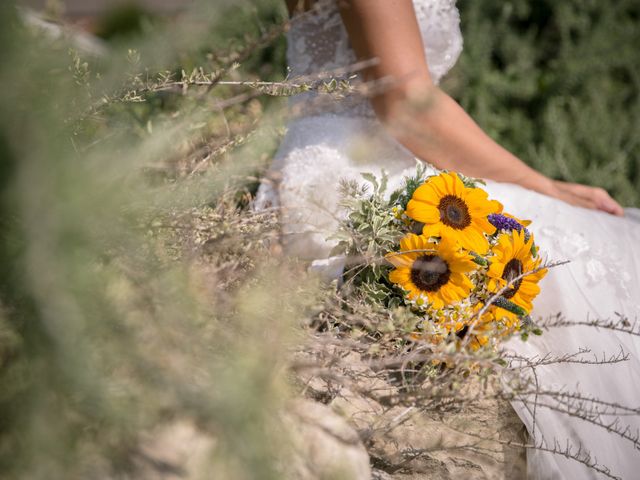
point(406, 443)
point(321, 445)
point(175, 451)
point(325, 446)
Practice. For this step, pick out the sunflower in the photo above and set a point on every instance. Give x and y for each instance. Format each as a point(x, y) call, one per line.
point(448, 208)
point(477, 341)
point(432, 270)
point(512, 257)
point(494, 323)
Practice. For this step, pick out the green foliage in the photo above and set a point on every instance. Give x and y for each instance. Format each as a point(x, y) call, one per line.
point(411, 184)
point(134, 292)
point(368, 232)
point(557, 84)
point(123, 21)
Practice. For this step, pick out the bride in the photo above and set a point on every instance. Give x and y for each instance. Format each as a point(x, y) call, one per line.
point(406, 117)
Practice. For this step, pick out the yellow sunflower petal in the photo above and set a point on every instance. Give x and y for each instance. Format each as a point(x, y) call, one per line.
point(398, 259)
point(400, 276)
point(407, 242)
point(483, 224)
point(436, 301)
point(496, 269)
point(474, 240)
point(529, 289)
point(432, 230)
point(457, 188)
point(423, 212)
point(477, 197)
point(441, 184)
point(427, 193)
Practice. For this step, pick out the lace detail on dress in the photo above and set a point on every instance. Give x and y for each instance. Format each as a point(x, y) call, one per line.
point(601, 265)
point(439, 22)
point(318, 43)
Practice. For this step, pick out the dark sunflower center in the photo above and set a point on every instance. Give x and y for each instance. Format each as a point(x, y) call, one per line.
point(512, 270)
point(454, 212)
point(429, 273)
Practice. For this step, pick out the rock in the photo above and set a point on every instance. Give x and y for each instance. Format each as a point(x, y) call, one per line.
point(175, 451)
point(406, 442)
point(318, 444)
point(324, 445)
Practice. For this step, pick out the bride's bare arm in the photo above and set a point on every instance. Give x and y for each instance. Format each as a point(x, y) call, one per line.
point(427, 120)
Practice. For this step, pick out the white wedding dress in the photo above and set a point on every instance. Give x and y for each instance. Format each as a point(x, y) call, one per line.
point(337, 139)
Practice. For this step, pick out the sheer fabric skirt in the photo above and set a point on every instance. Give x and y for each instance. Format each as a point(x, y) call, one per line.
point(602, 281)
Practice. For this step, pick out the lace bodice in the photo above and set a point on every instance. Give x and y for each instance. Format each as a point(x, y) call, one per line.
point(318, 43)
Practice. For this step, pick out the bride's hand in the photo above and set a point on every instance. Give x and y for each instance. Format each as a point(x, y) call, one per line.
point(585, 196)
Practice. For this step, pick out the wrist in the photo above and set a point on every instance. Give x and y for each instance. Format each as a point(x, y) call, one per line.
point(540, 183)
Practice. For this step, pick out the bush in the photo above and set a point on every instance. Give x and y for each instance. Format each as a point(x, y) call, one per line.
point(134, 292)
point(557, 83)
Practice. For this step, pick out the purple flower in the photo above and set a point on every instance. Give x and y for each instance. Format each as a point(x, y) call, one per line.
point(502, 222)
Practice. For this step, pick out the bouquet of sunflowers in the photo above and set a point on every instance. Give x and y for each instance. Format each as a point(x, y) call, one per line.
point(441, 249)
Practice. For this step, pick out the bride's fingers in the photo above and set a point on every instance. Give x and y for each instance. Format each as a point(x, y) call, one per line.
point(583, 202)
point(604, 202)
point(576, 188)
point(593, 197)
point(595, 202)
point(573, 199)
